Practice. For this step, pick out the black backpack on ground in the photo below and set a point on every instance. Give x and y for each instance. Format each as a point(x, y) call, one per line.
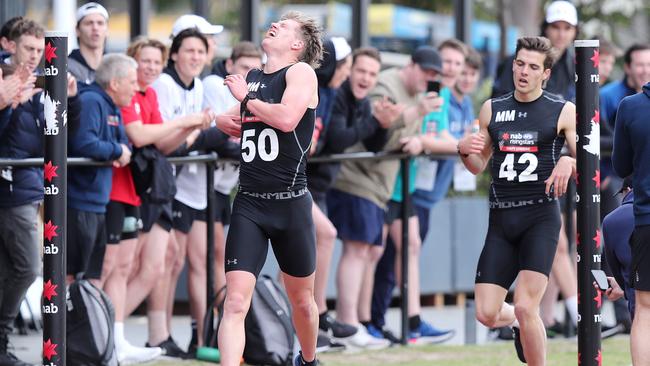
point(89, 326)
point(269, 332)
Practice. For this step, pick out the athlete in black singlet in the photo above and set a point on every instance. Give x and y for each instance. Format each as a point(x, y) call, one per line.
point(275, 121)
point(522, 132)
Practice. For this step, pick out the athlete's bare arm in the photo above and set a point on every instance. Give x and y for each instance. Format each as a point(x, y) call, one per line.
point(478, 146)
point(301, 93)
point(566, 165)
point(230, 121)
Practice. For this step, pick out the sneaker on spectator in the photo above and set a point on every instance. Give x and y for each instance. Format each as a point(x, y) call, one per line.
point(325, 343)
point(428, 334)
point(374, 331)
point(503, 333)
point(128, 354)
point(6, 357)
point(299, 361)
point(170, 349)
point(361, 339)
point(607, 331)
point(335, 328)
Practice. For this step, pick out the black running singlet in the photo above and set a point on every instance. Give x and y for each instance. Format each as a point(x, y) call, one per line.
point(525, 146)
point(272, 160)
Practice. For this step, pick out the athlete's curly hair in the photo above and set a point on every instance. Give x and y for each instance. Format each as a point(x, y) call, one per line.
point(311, 36)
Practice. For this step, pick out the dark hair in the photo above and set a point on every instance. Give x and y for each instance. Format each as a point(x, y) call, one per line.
point(538, 44)
point(366, 51)
point(180, 37)
point(9, 24)
point(26, 27)
point(310, 32)
point(635, 47)
point(245, 49)
point(455, 44)
point(141, 42)
point(473, 59)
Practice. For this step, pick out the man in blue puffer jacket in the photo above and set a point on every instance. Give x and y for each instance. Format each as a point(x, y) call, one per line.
point(100, 137)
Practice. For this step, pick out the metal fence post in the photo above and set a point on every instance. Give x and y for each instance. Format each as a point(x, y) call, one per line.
point(406, 206)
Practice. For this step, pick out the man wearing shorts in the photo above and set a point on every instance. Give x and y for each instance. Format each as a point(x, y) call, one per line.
point(522, 132)
point(631, 155)
point(276, 122)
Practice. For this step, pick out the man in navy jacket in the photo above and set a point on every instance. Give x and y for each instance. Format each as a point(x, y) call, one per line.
point(631, 155)
point(100, 137)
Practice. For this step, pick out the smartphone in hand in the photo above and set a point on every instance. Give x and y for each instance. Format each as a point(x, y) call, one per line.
point(433, 86)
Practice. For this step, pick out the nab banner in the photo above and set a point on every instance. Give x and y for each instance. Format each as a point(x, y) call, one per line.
point(54, 186)
point(588, 200)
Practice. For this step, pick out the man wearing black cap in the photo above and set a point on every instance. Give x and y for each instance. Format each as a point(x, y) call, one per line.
point(357, 203)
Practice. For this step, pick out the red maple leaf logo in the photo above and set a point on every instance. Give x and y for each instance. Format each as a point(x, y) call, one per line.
point(579, 358)
point(598, 299)
point(596, 178)
point(596, 117)
point(577, 178)
point(597, 239)
point(49, 230)
point(49, 290)
point(49, 349)
point(599, 358)
point(506, 136)
point(50, 52)
point(596, 58)
point(49, 171)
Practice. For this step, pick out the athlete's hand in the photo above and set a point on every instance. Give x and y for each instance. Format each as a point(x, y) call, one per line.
point(237, 85)
point(472, 144)
point(411, 145)
point(230, 124)
point(208, 117)
point(560, 176)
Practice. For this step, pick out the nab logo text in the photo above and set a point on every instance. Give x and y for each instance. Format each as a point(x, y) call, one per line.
point(50, 309)
point(50, 249)
point(51, 71)
point(505, 116)
point(51, 190)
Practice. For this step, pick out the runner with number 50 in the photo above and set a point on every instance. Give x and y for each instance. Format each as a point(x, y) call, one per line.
point(521, 136)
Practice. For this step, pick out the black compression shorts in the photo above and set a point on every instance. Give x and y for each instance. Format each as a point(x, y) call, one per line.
point(287, 223)
point(122, 222)
point(522, 238)
point(640, 271)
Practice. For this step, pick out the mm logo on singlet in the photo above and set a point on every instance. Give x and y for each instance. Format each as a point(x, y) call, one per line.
point(505, 116)
point(253, 86)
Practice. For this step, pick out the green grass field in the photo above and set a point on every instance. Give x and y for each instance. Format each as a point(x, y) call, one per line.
point(616, 352)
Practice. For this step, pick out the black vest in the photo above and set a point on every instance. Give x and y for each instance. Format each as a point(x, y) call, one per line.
point(272, 160)
point(525, 146)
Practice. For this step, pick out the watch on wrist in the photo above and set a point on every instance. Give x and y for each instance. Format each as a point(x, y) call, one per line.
point(250, 96)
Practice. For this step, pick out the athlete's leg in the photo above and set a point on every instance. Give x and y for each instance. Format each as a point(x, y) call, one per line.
point(491, 310)
point(300, 291)
point(197, 278)
point(325, 239)
point(240, 286)
point(641, 329)
point(158, 302)
point(180, 240)
point(349, 277)
point(528, 294)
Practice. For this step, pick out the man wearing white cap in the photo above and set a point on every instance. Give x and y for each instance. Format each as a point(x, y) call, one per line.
point(92, 30)
point(561, 27)
point(209, 31)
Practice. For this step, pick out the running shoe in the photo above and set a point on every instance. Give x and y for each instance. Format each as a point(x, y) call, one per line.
point(518, 346)
point(428, 334)
point(170, 349)
point(335, 328)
